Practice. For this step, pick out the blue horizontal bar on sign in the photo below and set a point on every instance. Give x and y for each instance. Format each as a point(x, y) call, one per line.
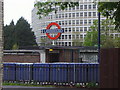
point(52, 30)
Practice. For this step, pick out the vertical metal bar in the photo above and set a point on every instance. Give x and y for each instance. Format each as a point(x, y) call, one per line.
point(99, 37)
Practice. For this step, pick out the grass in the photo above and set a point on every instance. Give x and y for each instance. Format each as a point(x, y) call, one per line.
point(25, 84)
point(88, 85)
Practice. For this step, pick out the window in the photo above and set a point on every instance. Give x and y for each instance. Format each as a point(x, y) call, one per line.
point(69, 36)
point(69, 29)
point(81, 21)
point(94, 6)
point(89, 14)
point(77, 29)
point(89, 29)
point(77, 36)
point(69, 22)
point(73, 29)
point(59, 22)
point(62, 22)
point(85, 6)
point(69, 43)
point(65, 43)
point(51, 16)
point(62, 15)
point(89, 6)
point(73, 22)
point(69, 15)
point(89, 22)
point(85, 21)
point(81, 28)
point(62, 36)
point(77, 7)
point(73, 14)
point(65, 22)
point(65, 36)
point(94, 13)
point(85, 14)
point(81, 6)
point(65, 29)
point(56, 16)
point(73, 36)
point(62, 43)
point(59, 15)
point(77, 22)
point(85, 29)
point(66, 15)
point(81, 36)
point(77, 14)
point(81, 14)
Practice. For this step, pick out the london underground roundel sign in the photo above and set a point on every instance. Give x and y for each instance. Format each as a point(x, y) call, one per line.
point(58, 31)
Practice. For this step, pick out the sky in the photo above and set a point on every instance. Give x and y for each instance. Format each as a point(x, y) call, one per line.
point(14, 9)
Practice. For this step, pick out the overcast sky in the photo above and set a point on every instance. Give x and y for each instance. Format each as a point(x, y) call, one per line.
point(14, 9)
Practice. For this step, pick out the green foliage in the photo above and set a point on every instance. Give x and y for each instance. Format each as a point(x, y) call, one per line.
point(24, 35)
point(44, 8)
point(107, 41)
point(91, 38)
point(117, 42)
point(9, 35)
point(15, 47)
point(25, 84)
point(18, 35)
point(111, 10)
point(77, 42)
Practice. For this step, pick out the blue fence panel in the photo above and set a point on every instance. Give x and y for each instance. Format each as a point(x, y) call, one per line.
point(23, 72)
point(52, 72)
point(71, 73)
point(9, 72)
point(41, 72)
point(58, 73)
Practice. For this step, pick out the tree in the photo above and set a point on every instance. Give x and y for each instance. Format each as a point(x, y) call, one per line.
point(107, 27)
point(9, 35)
point(44, 8)
point(15, 47)
point(91, 38)
point(18, 35)
point(111, 10)
point(24, 35)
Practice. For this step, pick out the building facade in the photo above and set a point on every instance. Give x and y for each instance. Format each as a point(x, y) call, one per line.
point(75, 23)
point(1, 41)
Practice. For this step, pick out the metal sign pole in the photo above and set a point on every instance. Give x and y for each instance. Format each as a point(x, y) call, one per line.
point(99, 37)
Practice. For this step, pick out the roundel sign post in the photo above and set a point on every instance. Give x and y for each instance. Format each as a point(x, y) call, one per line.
point(58, 31)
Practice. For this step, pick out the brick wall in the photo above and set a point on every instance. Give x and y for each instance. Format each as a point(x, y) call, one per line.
point(21, 58)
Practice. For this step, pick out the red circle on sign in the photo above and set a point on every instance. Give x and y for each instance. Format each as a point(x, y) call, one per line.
point(48, 27)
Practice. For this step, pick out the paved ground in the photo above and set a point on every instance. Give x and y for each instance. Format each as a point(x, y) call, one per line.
point(37, 88)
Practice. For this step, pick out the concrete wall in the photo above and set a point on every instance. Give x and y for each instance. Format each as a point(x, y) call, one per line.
point(1, 41)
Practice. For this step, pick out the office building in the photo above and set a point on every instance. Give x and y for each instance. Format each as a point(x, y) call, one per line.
point(74, 21)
